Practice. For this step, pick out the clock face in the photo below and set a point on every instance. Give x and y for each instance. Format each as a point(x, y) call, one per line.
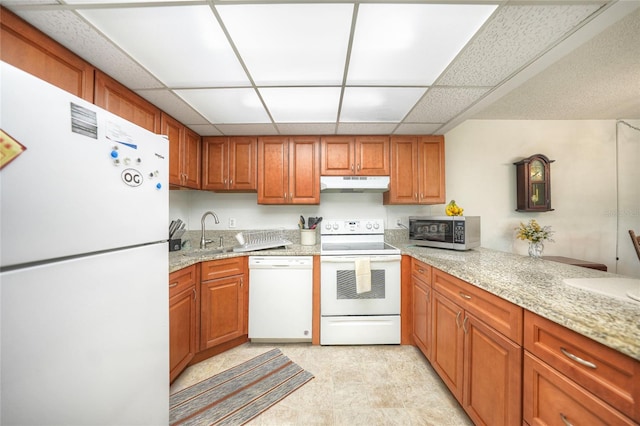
point(536, 170)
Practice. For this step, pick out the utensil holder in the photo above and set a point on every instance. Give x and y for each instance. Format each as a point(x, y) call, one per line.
point(308, 237)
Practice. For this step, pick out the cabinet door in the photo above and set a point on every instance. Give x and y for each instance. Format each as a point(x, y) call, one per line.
point(372, 155)
point(304, 170)
point(182, 331)
point(338, 156)
point(215, 164)
point(25, 47)
point(403, 187)
point(242, 163)
point(550, 398)
point(174, 131)
point(116, 98)
point(192, 157)
point(222, 313)
point(492, 375)
point(431, 169)
point(422, 316)
point(273, 170)
point(447, 339)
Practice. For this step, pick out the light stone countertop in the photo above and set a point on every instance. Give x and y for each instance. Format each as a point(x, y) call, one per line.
point(533, 284)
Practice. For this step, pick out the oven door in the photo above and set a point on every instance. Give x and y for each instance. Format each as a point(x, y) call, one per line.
point(338, 286)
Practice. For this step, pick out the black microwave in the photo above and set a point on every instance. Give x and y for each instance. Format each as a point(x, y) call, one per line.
point(449, 232)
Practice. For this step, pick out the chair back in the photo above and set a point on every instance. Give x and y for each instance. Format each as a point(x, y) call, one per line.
point(636, 242)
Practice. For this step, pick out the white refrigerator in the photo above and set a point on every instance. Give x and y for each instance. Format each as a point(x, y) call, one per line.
point(84, 320)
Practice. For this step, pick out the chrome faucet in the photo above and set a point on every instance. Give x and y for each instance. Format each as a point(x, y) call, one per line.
point(203, 242)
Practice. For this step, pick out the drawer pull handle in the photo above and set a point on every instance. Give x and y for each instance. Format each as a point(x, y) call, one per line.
point(464, 296)
point(577, 359)
point(195, 295)
point(464, 325)
point(421, 271)
point(565, 420)
point(173, 285)
point(458, 319)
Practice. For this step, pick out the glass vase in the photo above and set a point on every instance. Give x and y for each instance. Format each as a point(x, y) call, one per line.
point(536, 248)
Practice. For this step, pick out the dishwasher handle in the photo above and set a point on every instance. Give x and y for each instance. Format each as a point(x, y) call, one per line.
point(280, 262)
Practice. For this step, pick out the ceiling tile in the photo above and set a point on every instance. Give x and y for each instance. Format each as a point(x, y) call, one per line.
point(307, 128)
point(365, 128)
point(173, 105)
point(441, 104)
point(182, 45)
point(302, 104)
point(378, 104)
point(77, 35)
point(410, 44)
point(247, 129)
point(513, 37)
point(228, 106)
point(417, 128)
point(205, 129)
point(291, 44)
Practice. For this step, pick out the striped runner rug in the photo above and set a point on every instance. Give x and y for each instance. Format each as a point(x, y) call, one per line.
point(238, 394)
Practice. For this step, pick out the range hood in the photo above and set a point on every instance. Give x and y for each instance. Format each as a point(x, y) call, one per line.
point(354, 183)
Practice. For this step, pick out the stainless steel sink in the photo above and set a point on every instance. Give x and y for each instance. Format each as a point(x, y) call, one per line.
point(620, 288)
point(208, 252)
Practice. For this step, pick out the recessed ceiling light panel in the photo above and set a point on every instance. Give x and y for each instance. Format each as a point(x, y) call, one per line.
point(378, 104)
point(230, 106)
point(410, 44)
point(302, 104)
point(291, 44)
point(183, 46)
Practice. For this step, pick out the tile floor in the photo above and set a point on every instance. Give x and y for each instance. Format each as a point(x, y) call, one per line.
point(353, 385)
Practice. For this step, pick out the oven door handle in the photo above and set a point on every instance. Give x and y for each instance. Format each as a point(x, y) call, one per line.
point(372, 258)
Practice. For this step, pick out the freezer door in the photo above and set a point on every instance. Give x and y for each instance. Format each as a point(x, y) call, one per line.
point(86, 341)
point(74, 178)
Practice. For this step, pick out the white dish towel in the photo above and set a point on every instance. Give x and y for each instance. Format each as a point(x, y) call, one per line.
point(363, 275)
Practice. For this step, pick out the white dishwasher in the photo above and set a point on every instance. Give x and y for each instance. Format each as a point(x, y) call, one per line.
point(280, 298)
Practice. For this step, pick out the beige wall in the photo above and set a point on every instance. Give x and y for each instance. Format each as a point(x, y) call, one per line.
point(585, 179)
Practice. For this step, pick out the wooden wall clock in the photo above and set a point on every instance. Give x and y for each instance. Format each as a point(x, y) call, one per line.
point(533, 183)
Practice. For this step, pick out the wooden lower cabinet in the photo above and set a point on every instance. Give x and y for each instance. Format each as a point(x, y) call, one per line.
point(550, 398)
point(222, 305)
point(481, 366)
point(421, 300)
point(182, 319)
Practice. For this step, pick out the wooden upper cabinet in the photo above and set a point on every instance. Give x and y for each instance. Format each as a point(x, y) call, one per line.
point(184, 153)
point(288, 170)
point(116, 98)
point(359, 155)
point(417, 170)
point(25, 47)
point(229, 163)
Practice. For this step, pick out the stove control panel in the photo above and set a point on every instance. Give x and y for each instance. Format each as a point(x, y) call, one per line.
point(352, 227)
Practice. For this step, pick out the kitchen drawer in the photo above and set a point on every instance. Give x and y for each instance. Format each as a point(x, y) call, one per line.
point(607, 373)
point(183, 279)
point(549, 398)
point(214, 269)
point(421, 271)
point(503, 316)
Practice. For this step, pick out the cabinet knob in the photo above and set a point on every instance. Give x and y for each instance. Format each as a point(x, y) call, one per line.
point(358, 167)
point(352, 167)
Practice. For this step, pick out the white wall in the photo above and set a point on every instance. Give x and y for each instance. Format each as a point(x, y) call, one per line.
point(480, 176)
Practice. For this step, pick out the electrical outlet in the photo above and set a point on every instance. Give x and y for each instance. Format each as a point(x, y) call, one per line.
point(399, 222)
point(232, 222)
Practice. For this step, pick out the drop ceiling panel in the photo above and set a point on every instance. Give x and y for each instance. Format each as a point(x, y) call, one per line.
point(417, 128)
point(228, 106)
point(410, 44)
point(514, 37)
point(378, 104)
point(173, 105)
point(440, 105)
point(365, 128)
point(291, 44)
point(182, 45)
point(247, 129)
point(307, 128)
point(302, 104)
point(70, 30)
